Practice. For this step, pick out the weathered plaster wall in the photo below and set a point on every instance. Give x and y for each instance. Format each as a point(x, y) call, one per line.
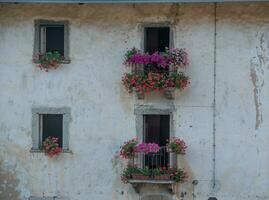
point(103, 113)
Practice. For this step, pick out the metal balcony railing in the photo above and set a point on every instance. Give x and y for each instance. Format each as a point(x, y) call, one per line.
point(154, 160)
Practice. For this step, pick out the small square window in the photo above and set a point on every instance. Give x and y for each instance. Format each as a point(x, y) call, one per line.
point(52, 122)
point(52, 36)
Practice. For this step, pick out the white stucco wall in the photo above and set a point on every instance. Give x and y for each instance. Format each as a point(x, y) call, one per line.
point(103, 113)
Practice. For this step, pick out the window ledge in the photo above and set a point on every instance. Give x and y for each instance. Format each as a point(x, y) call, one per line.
point(152, 181)
point(65, 61)
point(42, 151)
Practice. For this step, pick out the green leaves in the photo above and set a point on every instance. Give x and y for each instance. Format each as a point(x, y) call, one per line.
point(49, 60)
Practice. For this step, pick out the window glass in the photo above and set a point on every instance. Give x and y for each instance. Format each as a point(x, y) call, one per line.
point(52, 125)
point(55, 39)
point(156, 39)
point(156, 130)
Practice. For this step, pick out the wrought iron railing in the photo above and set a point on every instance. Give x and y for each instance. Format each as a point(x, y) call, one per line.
point(154, 160)
point(144, 69)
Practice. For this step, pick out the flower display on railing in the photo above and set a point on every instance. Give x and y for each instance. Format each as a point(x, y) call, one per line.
point(171, 57)
point(130, 147)
point(154, 81)
point(163, 174)
point(147, 148)
point(176, 145)
point(51, 146)
point(127, 150)
point(49, 60)
point(133, 172)
point(156, 72)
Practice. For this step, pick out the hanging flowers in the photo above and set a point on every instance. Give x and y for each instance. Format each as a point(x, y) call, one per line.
point(51, 146)
point(177, 146)
point(146, 83)
point(127, 150)
point(147, 148)
point(49, 60)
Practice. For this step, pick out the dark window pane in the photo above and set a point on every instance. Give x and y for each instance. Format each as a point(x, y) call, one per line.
point(157, 129)
point(53, 126)
point(55, 39)
point(156, 39)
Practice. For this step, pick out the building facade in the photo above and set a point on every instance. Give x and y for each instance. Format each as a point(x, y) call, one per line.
point(221, 116)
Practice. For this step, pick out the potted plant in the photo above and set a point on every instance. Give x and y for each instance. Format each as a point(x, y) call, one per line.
point(176, 145)
point(51, 146)
point(127, 150)
point(161, 174)
point(178, 175)
point(49, 60)
point(141, 174)
point(127, 173)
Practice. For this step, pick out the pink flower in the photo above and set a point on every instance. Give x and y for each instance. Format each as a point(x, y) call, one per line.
point(147, 148)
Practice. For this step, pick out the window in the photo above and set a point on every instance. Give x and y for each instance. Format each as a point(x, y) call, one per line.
point(52, 36)
point(51, 125)
point(156, 39)
point(50, 122)
point(156, 130)
point(155, 125)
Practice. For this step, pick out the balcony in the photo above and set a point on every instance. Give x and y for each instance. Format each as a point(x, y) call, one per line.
point(160, 72)
point(151, 165)
point(158, 168)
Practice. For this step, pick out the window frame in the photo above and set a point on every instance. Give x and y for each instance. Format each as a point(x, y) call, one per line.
point(142, 110)
point(39, 24)
point(37, 137)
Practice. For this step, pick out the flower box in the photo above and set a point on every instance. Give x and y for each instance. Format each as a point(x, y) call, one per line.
point(137, 176)
point(162, 177)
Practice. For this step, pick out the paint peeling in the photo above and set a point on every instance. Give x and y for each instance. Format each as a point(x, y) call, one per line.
point(258, 63)
point(256, 92)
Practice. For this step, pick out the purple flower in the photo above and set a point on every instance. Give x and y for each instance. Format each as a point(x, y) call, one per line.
point(147, 148)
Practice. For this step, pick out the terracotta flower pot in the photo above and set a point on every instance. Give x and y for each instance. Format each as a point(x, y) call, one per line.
point(139, 177)
point(162, 177)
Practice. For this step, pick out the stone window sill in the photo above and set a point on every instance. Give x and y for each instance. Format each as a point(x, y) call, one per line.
point(65, 61)
point(41, 151)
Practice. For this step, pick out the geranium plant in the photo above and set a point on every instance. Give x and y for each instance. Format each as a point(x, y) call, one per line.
point(127, 150)
point(51, 146)
point(154, 81)
point(49, 60)
point(133, 172)
point(176, 145)
point(127, 173)
point(161, 173)
point(178, 175)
